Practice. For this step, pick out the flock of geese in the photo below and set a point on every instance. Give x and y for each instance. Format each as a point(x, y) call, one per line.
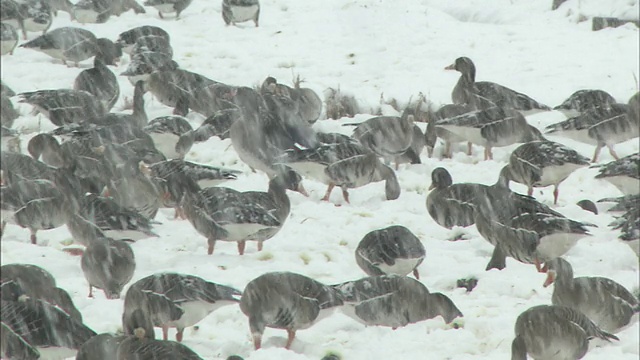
point(105, 175)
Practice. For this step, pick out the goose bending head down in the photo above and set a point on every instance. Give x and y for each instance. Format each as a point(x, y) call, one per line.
point(288, 301)
point(550, 332)
point(394, 301)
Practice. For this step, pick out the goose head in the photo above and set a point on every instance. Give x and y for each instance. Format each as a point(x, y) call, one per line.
point(108, 51)
point(558, 269)
point(440, 179)
point(465, 66)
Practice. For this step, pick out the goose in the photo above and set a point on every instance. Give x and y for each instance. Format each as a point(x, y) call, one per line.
point(16, 167)
point(623, 173)
point(451, 204)
point(520, 227)
point(346, 165)
point(393, 301)
point(100, 347)
point(40, 328)
point(218, 124)
point(8, 38)
point(392, 250)
point(139, 347)
point(172, 135)
point(288, 301)
point(551, 332)
point(602, 126)
point(64, 106)
point(209, 99)
point(38, 283)
point(10, 140)
point(433, 132)
point(92, 11)
point(623, 203)
point(168, 6)
point(35, 205)
point(584, 100)
point(108, 265)
point(76, 152)
point(8, 113)
point(543, 163)
point(237, 11)
point(493, 127)
point(127, 39)
point(388, 137)
point(467, 91)
point(102, 217)
point(228, 215)
point(71, 44)
point(100, 82)
point(605, 302)
point(178, 176)
point(188, 299)
point(29, 15)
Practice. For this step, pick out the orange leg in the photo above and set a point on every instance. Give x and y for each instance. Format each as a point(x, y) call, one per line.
point(179, 334)
point(291, 334)
point(345, 195)
point(596, 153)
point(469, 149)
point(241, 246)
point(260, 242)
point(556, 192)
point(416, 274)
point(165, 332)
point(212, 244)
point(328, 193)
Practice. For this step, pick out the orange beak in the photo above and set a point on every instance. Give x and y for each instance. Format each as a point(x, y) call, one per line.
point(551, 277)
point(302, 190)
point(432, 186)
point(451, 67)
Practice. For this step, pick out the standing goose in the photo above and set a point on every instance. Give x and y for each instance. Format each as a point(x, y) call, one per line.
point(108, 265)
point(520, 227)
point(602, 126)
point(623, 173)
point(172, 135)
point(346, 165)
point(608, 304)
point(47, 330)
point(228, 215)
point(127, 39)
point(64, 106)
point(144, 64)
point(100, 82)
point(388, 137)
point(551, 332)
point(543, 163)
point(305, 102)
point(29, 15)
point(192, 296)
point(393, 301)
point(38, 283)
point(394, 250)
point(493, 127)
point(8, 38)
point(451, 204)
point(629, 226)
point(467, 89)
point(171, 85)
point(584, 100)
point(288, 301)
point(237, 11)
point(152, 44)
point(71, 44)
point(169, 6)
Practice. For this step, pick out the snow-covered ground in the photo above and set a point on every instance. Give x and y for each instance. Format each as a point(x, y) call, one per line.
point(368, 47)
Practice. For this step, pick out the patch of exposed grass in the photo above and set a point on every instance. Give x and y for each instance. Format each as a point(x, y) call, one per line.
point(265, 256)
point(306, 259)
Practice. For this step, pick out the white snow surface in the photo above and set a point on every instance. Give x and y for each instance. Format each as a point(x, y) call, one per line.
point(367, 47)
